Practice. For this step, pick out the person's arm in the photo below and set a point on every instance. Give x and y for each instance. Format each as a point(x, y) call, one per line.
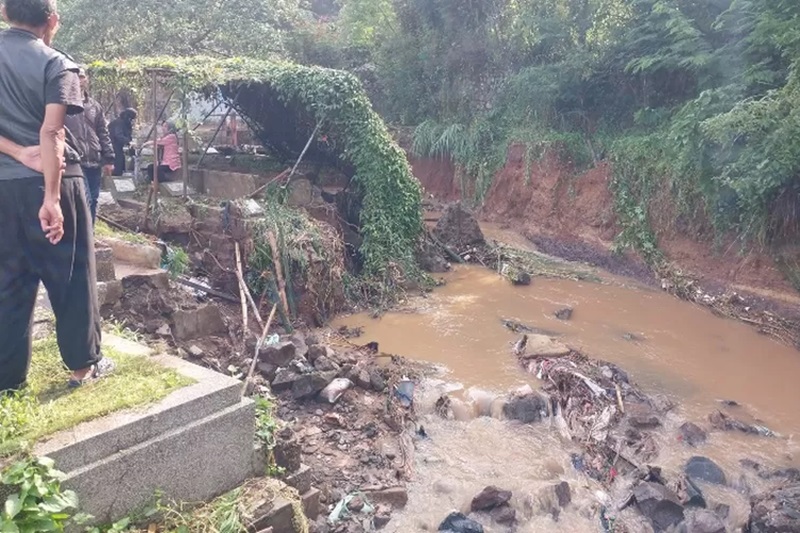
point(51, 139)
point(30, 156)
point(62, 95)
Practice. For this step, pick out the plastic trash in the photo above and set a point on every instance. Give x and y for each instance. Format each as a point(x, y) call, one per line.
point(335, 389)
point(341, 512)
point(404, 391)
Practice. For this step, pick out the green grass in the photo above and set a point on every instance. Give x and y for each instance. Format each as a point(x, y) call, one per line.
point(47, 406)
point(101, 229)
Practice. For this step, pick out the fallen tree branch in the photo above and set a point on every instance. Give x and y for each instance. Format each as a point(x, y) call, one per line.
point(213, 292)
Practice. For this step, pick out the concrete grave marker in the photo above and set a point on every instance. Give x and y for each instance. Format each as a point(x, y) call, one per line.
point(105, 198)
point(122, 188)
point(174, 188)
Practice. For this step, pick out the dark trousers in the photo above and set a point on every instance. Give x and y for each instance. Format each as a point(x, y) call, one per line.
point(67, 270)
point(164, 173)
point(94, 178)
point(119, 159)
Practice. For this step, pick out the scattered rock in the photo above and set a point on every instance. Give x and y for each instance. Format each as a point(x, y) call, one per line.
point(528, 408)
point(396, 497)
point(490, 498)
point(702, 521)
point(723, 422)
point(692, 434)
point(335, 389)
point(458, 229)
point(376, 380)
point(515, 275)
point(360, 377)
point(644, 421)
point(564, 314)
point(193, 323)
point(458, 523)
point(383, 515)
point(280, 354)
point(195, 351)
point(551, 500)
point(704, 469)
point(690, 493)
point(723, 510)
point(315, 351)
point(777, 511)
point(299, 341)
point(659, 505)
point(284, 379)
point(325, 364)
point(308, 385)
point(267, 370)
point(563, 493)
point(430, 258)
point(504, 515)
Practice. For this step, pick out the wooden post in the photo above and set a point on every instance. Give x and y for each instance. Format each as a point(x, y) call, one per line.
point(185, 153)
point(156, 116)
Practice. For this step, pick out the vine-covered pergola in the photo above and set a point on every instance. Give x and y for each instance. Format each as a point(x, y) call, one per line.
point(284, 103)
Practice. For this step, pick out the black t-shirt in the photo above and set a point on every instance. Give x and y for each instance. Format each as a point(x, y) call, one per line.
point(33, 75)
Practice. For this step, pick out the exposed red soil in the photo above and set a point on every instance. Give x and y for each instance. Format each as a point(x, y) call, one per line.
point(548, 202)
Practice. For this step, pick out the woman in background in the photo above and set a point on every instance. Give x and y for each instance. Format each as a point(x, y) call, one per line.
point(170, 161)
point(121, 131)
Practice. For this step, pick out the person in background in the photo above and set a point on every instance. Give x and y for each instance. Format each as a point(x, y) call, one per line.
point(47, 230)
point(233, 130)
point(94, 144)
point(170, 161)
point(121, 131)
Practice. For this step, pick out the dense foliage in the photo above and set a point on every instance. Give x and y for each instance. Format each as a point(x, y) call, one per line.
point(265, 92)
point(697, 100)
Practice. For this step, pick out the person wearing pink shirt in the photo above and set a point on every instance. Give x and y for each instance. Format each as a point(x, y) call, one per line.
point(170, 153)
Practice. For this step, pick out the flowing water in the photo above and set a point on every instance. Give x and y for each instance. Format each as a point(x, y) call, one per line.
point(667, 346)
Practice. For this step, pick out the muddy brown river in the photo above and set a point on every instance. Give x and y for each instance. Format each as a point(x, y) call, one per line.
point(667, 346)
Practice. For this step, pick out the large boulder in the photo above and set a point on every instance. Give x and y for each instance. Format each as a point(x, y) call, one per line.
point(526, 408)
point(659, 505)
point(458, 229)
point(280, 354)
point(706, 470)
point(702, 521)
point(490, 498)
point(777, 511)
point(692, 434)
point(458, 523)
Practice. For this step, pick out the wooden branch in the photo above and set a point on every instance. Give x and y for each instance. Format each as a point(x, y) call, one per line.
point(264, 334)
point(276, 260)
point(208, 290)
point(241, 290)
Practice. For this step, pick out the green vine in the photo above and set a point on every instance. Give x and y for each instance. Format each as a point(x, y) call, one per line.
point(391, 215)
point(36, 503)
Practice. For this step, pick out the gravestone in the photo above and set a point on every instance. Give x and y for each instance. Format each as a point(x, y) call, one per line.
point(122, 188)
point(105, 199)
point(174, 189)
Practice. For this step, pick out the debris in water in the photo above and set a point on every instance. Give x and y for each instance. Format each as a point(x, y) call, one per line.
point(404, 391)
point(564, 314)
point(458, 523)
point(723, 422)
point(519, 346)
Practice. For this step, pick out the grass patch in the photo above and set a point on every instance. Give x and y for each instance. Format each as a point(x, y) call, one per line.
point(101, 229)
point(47, 406)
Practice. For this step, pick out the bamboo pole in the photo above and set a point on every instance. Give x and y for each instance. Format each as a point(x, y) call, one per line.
point(276, 260)
point(185, 153)
point(241, 289)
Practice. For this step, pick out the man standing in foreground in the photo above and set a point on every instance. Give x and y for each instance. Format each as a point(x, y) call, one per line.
point(90, 130)
point(47, 232)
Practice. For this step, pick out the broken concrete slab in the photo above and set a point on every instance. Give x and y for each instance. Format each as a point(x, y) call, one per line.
point(109, 293)
point(311, 503)
point(224, 185)
point(115, 462)
point(136, 254)
point(193, 323)
point(541, 346)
